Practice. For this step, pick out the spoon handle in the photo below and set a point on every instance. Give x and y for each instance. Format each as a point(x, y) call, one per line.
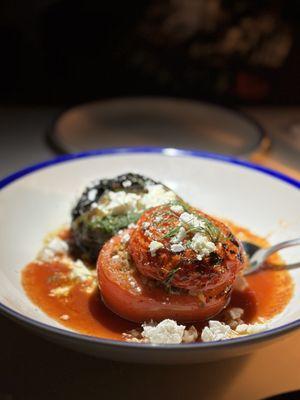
point(261, 255)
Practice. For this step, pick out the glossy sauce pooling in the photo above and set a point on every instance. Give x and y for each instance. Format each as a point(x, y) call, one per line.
point(269, 291)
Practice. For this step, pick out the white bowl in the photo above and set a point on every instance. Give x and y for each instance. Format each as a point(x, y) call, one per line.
point(37, 200)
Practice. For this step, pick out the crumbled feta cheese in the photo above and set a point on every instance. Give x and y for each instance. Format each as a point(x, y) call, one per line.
point(121, 202)
point(177, 248)
point(154, 246)
point(201, 245)
point(117, 203)
point(166, 332)
point(125, 238)
point(186, 217)
point(134, 285)
point(146, 225)
point(191, 220)
point(190, 335)
point(148, 233)
point(80, 272)
point(156, 196)
point(250, 329)
point(116, 257)
point(91, 287)
point(58, 245)
point(134, 336)
point(65, 317)
point(261, 320)
point(61, 291)
point(180, 235)
point(158, 219)
point(177, 209)
point(92, 194)
point(54, 248)
point(217, 331)
point(127, 183)
point(220, 331)
point(236, 312)
point(46, 255)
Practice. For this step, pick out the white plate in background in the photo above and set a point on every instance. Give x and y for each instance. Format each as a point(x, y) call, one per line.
point(156, 121)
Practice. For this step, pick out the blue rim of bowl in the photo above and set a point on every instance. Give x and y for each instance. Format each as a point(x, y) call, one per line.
point(74, 336)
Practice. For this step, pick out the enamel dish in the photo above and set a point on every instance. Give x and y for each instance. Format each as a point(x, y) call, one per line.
point(38, 200)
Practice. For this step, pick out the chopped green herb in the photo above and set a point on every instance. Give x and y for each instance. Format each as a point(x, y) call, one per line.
point(172, 232)
point(209, 229)
point(169, 278)
point(185, 206)
point(111, 224)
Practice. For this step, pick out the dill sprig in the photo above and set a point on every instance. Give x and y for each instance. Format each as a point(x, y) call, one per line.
point(167, 282)
point(186, 207)
point(172, 232)
point(209, 229)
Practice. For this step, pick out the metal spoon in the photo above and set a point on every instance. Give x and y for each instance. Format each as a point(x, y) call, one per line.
point(257, 255)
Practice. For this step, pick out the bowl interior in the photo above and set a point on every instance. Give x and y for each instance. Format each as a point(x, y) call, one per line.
point(40, 202)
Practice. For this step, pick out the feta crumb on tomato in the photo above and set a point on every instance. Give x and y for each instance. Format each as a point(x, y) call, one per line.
point(146, 225)
point(166, 332)
point(148, 234)
point(180, 235)
point(154, 246)
point(202, 246)
point(191, 220)
point(125, 238)
point(177, 209)
point(177, 248)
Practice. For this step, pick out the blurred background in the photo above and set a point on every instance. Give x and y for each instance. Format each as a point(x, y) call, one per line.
point(180, 54)
point(58, 51)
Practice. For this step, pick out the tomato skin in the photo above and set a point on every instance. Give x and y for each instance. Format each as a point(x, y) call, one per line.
point(125, 292)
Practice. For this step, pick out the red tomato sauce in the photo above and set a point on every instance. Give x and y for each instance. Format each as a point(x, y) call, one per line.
point(268, 293)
